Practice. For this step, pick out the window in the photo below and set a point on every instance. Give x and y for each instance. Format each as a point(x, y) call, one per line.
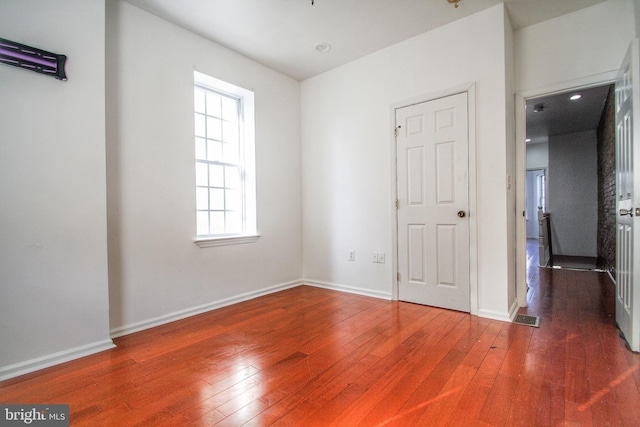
point(224, 162)
point(540, 187)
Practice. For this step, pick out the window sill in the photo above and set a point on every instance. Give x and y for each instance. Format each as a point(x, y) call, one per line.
point(227, 240)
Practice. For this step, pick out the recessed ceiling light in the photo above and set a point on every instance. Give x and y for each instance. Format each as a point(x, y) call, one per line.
point(575, 97)
point(527, 140)
point(323, 47)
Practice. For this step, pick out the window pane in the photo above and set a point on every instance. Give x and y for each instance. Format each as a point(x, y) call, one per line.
point(217, 222)
point(216, 176)
point(217, 199)
point(213, 104)
point(230, 153)
point(230, 132)
point(201, 149)
point(232, 178)
point(198, 97)
point(233, 200)
point(230, 109)
point(220, 132)
point(202, 198)
point(214, 150)
point(234, 222)
point(202, 223)
point(202, 177)
point(200, 127)
point(214, 128)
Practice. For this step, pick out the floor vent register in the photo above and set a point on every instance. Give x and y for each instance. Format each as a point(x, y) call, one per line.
point(523, 319)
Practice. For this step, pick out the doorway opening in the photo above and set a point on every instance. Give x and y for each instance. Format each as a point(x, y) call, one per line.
point(570, 181)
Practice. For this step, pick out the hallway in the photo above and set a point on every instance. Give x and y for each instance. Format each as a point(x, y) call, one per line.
point(596, 288)
point(584, 350)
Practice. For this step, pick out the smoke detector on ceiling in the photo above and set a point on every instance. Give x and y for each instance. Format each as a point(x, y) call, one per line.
point(323, 47)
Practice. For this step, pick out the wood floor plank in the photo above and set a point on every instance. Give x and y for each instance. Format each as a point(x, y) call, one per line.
point(444, 403)
point(384, 378)
point(441, 390)
point(315, 357)
point(486, 362)
point(496, 409)
point(331, 380)
point(424, 360)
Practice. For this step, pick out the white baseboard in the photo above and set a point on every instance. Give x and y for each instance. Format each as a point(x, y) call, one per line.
point(49, 360)
point(613, 279)
point(499, 315)
point(349, 289)
point(182, 314)
point(513, 311)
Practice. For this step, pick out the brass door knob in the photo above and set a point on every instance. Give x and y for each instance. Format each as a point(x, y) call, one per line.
point(462, 214)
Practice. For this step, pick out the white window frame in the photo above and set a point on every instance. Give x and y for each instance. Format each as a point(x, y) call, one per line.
point(246, 114)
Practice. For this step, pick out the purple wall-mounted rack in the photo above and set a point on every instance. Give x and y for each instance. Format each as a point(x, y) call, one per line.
point(30, 58)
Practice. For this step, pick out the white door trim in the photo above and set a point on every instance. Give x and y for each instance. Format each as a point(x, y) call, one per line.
point(470, 89)
point(521, 98)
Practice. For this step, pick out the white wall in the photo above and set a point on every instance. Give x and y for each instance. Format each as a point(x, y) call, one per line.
point(347, 154)
point(574, 48)
point(573, 193)
point(636, 4)
point(156, 271)
point(53, 239)
point(538, 155)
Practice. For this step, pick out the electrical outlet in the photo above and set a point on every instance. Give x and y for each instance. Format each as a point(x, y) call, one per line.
point(374, 257)
point(352, 255)
point(381, 257)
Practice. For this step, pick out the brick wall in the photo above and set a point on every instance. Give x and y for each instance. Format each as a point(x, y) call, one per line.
point(607, 187)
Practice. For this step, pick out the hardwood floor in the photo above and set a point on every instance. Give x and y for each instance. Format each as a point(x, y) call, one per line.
point(314, 357)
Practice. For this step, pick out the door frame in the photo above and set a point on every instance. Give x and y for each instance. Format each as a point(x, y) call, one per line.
point(521, 98)
point(470, 90)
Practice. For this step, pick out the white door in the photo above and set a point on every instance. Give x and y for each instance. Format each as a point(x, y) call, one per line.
point(433, 199)
point(627, 186)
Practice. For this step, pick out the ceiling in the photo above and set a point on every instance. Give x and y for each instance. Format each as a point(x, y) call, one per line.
point(560, 115)
point(283, 34)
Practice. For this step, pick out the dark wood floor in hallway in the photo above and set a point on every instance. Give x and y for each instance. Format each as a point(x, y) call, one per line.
point(308, 356)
